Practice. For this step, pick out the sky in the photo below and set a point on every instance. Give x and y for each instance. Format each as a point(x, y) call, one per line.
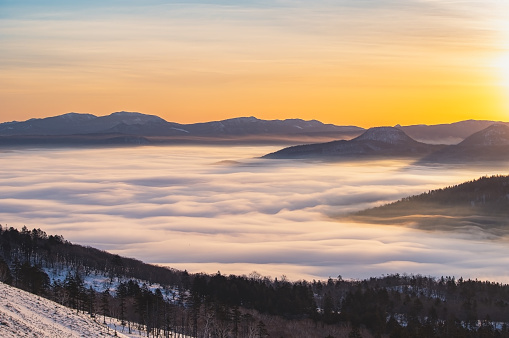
point(176, 206)
point(347, 62)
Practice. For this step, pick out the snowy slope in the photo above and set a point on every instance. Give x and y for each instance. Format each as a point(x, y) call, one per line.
point(99, 282)
point(23, 314)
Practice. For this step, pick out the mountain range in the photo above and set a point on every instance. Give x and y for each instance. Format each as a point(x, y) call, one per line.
point(375, 142)
point(489, 144)
point(136, 128)
point(451, 133)
point(476, 140)
point(84, 128)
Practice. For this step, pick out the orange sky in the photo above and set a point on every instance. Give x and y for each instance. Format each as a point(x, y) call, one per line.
point(363, 63)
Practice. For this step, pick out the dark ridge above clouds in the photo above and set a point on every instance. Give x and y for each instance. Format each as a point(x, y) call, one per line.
point(375, 142)
point(241, 129)
point(483, 147)
point(74, 123)
point(136, 123)
point(494, 135)
point(490, 144)
point(161, 131)
point(389, 135)
point(452, 133)
point(480, 206)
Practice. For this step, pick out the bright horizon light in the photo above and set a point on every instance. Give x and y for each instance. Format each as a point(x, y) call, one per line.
point(365, 63)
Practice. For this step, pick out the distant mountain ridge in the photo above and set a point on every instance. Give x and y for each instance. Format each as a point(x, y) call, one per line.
point(74, 123)
point(375, 142)
point(131, 128)
point(151, 125)
point(489, 144)
point(494, 135)
point(486, 146)
point(452, 133)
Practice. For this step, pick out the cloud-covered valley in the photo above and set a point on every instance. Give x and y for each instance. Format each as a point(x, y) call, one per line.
point(177, 206)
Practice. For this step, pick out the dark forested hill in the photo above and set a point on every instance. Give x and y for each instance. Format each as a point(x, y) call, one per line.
point(482, 204)
point(202, 305)
point(149, 297)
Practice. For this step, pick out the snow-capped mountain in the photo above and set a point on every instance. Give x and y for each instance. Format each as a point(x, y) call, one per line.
point(375, 142)
point(451, 133)
point(494, 135)
point(88, 129)
point(388, 135)
point(244, 126)
point(150, 125)
point(74, 123)
point(490, 144)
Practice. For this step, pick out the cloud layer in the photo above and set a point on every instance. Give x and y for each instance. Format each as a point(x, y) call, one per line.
point(175, 206)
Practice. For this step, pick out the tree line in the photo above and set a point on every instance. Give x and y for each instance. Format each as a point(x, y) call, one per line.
point(486, 195)
point(217, 305)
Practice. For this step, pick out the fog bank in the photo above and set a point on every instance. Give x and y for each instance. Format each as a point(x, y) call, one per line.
point(183, 207)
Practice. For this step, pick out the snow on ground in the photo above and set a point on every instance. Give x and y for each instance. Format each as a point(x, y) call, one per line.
point(100, 282)
point(23, 314)
point(115, 325)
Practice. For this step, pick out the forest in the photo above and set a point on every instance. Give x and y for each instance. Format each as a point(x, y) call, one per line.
point(482, 203)
point(159, 301)
point(487, 195)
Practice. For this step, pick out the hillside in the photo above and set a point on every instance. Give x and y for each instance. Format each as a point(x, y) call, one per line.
point(452, 133)
point(23, 314)
point(480, 205)
point(143, 296)
point(228, 306)
point(488, 145)
point(375, 142)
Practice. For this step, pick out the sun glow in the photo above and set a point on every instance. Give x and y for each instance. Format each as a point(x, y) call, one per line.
point(502, 61)
point(502, 69)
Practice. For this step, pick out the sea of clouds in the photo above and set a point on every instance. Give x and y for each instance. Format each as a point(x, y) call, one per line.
point(186, 208)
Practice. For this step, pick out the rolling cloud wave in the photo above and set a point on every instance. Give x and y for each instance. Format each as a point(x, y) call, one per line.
point(174, 206)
